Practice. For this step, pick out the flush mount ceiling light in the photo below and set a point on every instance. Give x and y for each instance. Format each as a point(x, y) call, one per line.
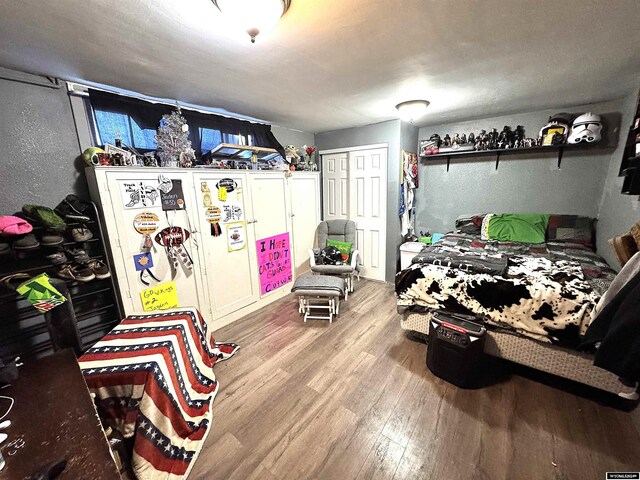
point(412, 109)
point(253, 16)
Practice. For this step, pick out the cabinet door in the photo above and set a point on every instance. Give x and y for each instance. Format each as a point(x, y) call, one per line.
point(305, 212)
point(231, 267)
point(271, 211)
point(124, 205)
point(270, 201)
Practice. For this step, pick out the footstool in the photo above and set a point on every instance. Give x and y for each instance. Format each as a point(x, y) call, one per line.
point(318, 292)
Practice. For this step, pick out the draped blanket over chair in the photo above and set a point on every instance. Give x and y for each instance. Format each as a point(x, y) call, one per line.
point(153, 379)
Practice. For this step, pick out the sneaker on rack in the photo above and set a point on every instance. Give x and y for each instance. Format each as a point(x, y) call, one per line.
point(78, 273)
point(51, 239)
point(99, 269)
point(57, 258)
point(81, 234)
point(78, 255)
point(73, 208)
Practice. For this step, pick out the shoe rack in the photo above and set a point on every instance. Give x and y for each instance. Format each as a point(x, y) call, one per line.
point(23, 330)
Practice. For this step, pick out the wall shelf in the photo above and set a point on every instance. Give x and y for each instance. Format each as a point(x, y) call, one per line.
point(497, 153)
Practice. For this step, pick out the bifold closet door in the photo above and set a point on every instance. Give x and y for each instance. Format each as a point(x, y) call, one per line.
point(228, 248)
point(367, 207)
point(354, 187)
point(335, 186)
point(305, 213)
point(121, 206)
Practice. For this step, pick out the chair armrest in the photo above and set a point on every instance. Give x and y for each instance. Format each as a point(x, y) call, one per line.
point(355, 255)
point(312, 258)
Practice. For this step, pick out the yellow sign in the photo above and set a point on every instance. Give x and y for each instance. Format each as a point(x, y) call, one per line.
point(160, 297)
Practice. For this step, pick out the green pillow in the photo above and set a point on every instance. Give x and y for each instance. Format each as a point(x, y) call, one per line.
point(343, 247)
point(513, 227)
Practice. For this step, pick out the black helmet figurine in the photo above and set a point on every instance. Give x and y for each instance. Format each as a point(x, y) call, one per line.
point(331, 256)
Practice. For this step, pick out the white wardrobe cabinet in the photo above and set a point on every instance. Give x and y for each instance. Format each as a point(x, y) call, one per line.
point(224, 227)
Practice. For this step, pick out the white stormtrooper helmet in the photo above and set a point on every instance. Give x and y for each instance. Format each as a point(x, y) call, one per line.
point(586, 128)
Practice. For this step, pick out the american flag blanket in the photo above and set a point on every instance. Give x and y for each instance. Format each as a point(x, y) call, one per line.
point(153, 380)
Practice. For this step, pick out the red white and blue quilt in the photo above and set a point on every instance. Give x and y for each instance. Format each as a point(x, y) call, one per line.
point(153, 380)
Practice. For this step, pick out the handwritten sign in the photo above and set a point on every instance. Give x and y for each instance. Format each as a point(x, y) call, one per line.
point(160, 297)
point(274, 262)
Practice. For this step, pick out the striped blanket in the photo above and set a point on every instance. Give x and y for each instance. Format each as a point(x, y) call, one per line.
point(153, 380)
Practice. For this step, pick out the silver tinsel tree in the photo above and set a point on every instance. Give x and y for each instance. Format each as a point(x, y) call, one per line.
point(174, 146)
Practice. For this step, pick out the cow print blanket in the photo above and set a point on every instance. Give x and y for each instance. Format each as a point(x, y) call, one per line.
point(543, 296)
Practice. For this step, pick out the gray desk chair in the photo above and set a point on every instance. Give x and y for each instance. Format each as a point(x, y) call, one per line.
point(342, 231)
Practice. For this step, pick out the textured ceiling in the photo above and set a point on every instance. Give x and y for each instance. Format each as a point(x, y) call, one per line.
point(332, 64)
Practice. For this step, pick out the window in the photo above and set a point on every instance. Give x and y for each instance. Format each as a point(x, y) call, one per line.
point(119, 125)
point(135, 121)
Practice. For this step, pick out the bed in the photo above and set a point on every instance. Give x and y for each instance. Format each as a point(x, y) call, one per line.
point(536, 299)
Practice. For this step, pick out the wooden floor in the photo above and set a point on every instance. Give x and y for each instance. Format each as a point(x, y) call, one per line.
point(353, 400)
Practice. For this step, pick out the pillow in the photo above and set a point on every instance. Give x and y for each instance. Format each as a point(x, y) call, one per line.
point(343, 247)
point(515, 227)
point(469, 224)
point(571, 228)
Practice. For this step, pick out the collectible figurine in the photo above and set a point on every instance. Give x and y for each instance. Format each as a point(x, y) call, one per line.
point(519, 137)
point(493, 139)
point(456, 140)
point(503, 138)
point(463, 139)
point(446, 141)
point(480, 140)
point(557, 139)
point(472, 139)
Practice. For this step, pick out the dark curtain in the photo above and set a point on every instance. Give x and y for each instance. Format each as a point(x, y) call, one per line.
point(147, 115)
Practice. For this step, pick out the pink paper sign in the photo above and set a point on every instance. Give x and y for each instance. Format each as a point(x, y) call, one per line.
point(274, 262)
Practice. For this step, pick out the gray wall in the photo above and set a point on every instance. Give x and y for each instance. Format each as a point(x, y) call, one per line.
point(38, 143)
point(617, 212)
point(528, 183)
point(288, 136)
point(385, 132)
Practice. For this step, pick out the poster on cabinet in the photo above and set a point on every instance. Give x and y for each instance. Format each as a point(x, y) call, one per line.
point(139, 194)
point(274, 262)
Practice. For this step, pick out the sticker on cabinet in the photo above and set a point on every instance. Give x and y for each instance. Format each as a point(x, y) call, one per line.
point(236, 236)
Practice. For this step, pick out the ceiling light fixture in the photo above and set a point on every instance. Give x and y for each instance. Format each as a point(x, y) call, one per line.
point(412, 109)
point(253, 16)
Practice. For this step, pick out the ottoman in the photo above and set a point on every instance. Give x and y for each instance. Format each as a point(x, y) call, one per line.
point(317, 293)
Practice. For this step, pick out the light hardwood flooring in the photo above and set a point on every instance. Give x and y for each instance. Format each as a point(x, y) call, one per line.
point(354, 400)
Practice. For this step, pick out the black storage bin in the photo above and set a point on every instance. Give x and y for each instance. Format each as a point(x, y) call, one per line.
point(455, 349)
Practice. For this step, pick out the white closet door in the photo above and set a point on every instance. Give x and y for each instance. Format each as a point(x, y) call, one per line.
point(305, 212)
point(124, 206)
point(231, 271)
point(367, 207)
point(335, 186)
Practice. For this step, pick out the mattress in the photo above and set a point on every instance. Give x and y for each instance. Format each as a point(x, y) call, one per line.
point(563, 362)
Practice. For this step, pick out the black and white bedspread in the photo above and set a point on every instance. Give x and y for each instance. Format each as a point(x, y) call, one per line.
point(547, 293)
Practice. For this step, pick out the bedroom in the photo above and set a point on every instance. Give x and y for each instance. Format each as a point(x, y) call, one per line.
point(356, 387)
